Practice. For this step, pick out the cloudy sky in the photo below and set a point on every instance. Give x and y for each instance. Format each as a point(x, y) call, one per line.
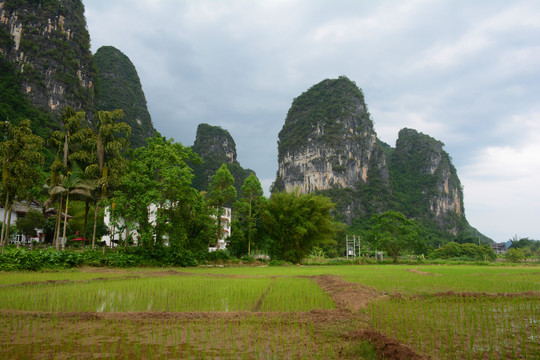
point(464, 72)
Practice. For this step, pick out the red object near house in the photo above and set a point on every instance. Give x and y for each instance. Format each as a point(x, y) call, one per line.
point(80, 238)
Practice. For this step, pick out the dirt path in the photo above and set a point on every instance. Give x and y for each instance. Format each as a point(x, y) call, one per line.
point(346, 295)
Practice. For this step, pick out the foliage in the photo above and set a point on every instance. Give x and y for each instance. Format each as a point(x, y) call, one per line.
point(296, 222)
point(221, 193)
point(155, 197)
point(28, 224)
point(248, 211)
point(53, 55)
point(530, 248)
point(19, 153)
point(216, 147)
point(119, 87)
point(515, 255)
point(14, 106)
point(321, 106)
point(463, 251)
point(108, 145)
point(394, 233)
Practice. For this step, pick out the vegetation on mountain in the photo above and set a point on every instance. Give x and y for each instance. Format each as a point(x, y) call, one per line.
point(216, 147)
point(118, 87)
point(324, 105)
point(57, 64)
point(14, 106)
point(415, 178)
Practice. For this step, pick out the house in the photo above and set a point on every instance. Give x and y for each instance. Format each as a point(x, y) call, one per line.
point(19, 209)
point(499, 248)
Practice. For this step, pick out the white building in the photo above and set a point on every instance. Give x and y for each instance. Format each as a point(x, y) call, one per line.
point(19, 209)
point(118, 230)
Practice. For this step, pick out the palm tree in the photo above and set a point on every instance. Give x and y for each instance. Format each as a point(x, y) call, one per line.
point(70, 185)
point(110, 140)
point(68, 144)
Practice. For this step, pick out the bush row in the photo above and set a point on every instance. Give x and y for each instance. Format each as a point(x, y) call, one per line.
point(13, 259)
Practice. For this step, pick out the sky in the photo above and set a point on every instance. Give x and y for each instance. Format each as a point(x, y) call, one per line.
point(464, 72)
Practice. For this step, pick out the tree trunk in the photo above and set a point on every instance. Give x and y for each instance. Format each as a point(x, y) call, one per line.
point(65, 224)
point(6, 206)
point(95, 224)
point(6, 239)
point(249, 229)
point(58, 223)
point(86, 210)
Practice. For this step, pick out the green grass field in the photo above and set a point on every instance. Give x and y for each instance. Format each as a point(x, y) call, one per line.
point(294, 312)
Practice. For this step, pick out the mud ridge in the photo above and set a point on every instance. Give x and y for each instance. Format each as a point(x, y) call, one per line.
point(347, 295)
point(387, 347)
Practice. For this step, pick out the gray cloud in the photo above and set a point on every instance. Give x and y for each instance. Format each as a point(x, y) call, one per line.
point(466, 73)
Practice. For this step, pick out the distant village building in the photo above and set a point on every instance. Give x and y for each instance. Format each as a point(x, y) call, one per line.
point(499, 248)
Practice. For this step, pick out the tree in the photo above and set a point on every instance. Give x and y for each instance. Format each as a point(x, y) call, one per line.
point(221, 193)
point(28, 224)
point(158, 176)
point(295, 222)
point(393, 232)
point(110, 141)
point(515, 255)
point(19, 154)
point(249, 207)
point(69, 185)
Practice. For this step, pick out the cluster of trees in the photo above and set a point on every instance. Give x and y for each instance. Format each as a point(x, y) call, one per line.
point(521, 249)
point(149, 193)
point(87, 161)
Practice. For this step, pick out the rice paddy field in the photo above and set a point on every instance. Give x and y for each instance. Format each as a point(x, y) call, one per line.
point(294, 312)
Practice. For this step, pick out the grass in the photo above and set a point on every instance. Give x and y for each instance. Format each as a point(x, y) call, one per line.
point(469, 327)
point(169, 293)
point(444, 311)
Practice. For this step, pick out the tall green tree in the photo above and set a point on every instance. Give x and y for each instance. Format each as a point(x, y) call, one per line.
point(110, 142)
point(249, 208)
point(221, 193)
point(394, 233)
point(158, 177)
point(19, 155)
point(68, 143)
point(296, 222)
point(70, 184)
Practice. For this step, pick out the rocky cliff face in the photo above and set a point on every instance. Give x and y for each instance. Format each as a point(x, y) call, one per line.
point(49, 43)
point(328, 145)
point(423, 174)
point(328, 140)
point(46, 48)
point(119, 87)
point(216, 146)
